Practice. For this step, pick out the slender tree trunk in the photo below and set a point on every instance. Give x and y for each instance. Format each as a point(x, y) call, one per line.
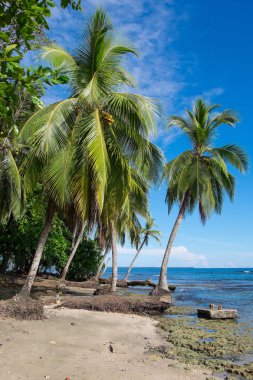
point(114, 260)
point(162, 283)
point(26, 289)
point(96, 277)
point(74, 235)
point(133, 261)
point(73, 252)
point(106, 265)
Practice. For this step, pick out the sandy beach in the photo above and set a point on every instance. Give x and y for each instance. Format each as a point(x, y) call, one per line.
point(86, 345)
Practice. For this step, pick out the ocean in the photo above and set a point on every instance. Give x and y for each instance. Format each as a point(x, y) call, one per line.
point(231, 287)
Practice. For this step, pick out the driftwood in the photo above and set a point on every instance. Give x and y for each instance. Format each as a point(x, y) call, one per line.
point(141, 283)
point(75, 284)
point(92, 283)
point(125, 284)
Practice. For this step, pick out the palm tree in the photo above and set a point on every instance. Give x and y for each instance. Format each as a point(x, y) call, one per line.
point(100, 267)
point(77, 237)
point(147, 232)
point(126, 196)
point(199, 176)
point(75, 143)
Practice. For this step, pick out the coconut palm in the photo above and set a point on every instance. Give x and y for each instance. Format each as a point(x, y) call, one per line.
point(101, 265)
point(199, 176)
point(126, 197)
point(77, 237)
point(147, 232)
point(75, 143)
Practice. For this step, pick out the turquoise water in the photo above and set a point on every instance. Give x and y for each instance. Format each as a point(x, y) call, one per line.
point(233, 287)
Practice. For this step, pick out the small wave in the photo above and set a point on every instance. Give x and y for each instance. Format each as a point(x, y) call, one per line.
point(247, 271)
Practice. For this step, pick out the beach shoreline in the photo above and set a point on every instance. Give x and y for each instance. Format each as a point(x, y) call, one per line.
point(81, 344)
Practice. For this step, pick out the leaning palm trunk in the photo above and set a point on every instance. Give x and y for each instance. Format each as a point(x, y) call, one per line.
point(106, 265)
point(73, 252)
point(26, 289)
point(133, 261)
point(114, 261)
point(101, 266)
point(162, 283)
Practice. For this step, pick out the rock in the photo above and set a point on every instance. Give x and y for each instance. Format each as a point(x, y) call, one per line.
point(217, 314)
point(157, 291)
point(166, 299)
point(110, 348)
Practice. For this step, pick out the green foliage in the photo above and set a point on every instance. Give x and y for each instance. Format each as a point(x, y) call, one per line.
point(21, 21)
point(22, 25)
point(86, 261)
point(18, 241)
point(25, 233)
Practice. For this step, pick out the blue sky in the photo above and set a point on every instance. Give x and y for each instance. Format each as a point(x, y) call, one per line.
point(188, 48)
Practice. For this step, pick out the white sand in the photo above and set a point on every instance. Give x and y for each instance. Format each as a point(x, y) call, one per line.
point(75, 344)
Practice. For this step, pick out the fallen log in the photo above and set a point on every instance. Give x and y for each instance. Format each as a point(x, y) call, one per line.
point(125, 284)
point(141, 283)
point(75, 284)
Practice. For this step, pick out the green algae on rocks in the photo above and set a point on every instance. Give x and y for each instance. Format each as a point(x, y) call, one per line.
point(223, 346)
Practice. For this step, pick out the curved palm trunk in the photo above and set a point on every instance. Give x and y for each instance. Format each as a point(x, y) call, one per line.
point(133, 261)
point(26, 289)
point(114, 260)
point(100, 266)
point(74, 248)
point(162, 283)
point(106, 265)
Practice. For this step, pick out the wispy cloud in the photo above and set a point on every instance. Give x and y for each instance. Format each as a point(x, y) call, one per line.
point(180, 256)
point(152, 27)
point(209, 96)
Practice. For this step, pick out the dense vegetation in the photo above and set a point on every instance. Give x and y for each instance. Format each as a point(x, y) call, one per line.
point(18, 240)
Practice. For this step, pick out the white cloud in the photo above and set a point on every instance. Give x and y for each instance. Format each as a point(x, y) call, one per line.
point(180, 257)
point(150, 26)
